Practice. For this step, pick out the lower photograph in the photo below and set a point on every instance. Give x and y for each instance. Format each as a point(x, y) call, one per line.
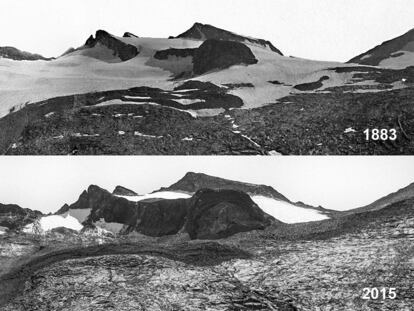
point(206, 233)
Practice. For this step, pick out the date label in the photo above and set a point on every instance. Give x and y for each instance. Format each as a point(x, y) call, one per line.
point(380, 134)
point(376, 293)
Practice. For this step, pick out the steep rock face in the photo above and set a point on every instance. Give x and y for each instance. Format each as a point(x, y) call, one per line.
point(192, 182)
point(204, 32)
point(217, 54)
point(216, 214)
point(388, 49)
point(120, 49)
point(119, 190)
point(161, 217)
point(15, 217)
point(16, 54)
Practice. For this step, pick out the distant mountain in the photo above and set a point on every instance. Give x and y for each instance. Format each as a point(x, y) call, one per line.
point(14, 217)
point(208, 214)
point(119, 190)
point(397, 53)
point(192, 182)
point(270, 200)
point(204, 32)
point(105, 46)
point(403, 194)
point(16, 54)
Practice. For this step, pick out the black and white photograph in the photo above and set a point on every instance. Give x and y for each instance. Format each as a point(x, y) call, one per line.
point(208, 233)
point(274, 77)
point(192, 155)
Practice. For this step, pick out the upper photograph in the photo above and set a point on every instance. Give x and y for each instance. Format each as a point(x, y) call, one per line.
point(274, 77)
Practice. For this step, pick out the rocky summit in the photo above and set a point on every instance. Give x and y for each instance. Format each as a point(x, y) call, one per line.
point(120, 49)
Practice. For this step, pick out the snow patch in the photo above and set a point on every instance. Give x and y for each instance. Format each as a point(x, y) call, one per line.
point(349, 130)
point(136, 133)
point(287, 212)
point(47, 223)
point(170, 195)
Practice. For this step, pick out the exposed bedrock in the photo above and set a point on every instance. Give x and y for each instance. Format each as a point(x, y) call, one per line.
point(217, 54)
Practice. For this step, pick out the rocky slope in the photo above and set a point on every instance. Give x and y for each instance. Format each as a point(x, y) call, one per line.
point(323, 265)
point(396, 53)
point(403, 194)
point(14, 217)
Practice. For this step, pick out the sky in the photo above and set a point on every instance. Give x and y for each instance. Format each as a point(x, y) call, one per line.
point(46, 183)
point(334, 30)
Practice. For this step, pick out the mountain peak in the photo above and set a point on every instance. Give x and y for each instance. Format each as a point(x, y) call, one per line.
point(192, 182)
point(204, 32)
point(120, 190)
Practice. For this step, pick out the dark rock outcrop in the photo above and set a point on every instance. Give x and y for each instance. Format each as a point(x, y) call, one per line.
point(120, 49)
point(164, 54)
point(218, 54)
point(311, 85)
point(216, 214)
point(386, 50)
point(192, 182)
point(129, 35)
point(16, 54)
point(15, 217)
point(209, 214)
point(119, 190)
point(205, 32)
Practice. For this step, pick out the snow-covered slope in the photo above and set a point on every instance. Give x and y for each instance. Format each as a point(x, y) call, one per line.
point(169, 195)
point(47, 223)
point(95, 68)
point(397, 53)
point(287, 212)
